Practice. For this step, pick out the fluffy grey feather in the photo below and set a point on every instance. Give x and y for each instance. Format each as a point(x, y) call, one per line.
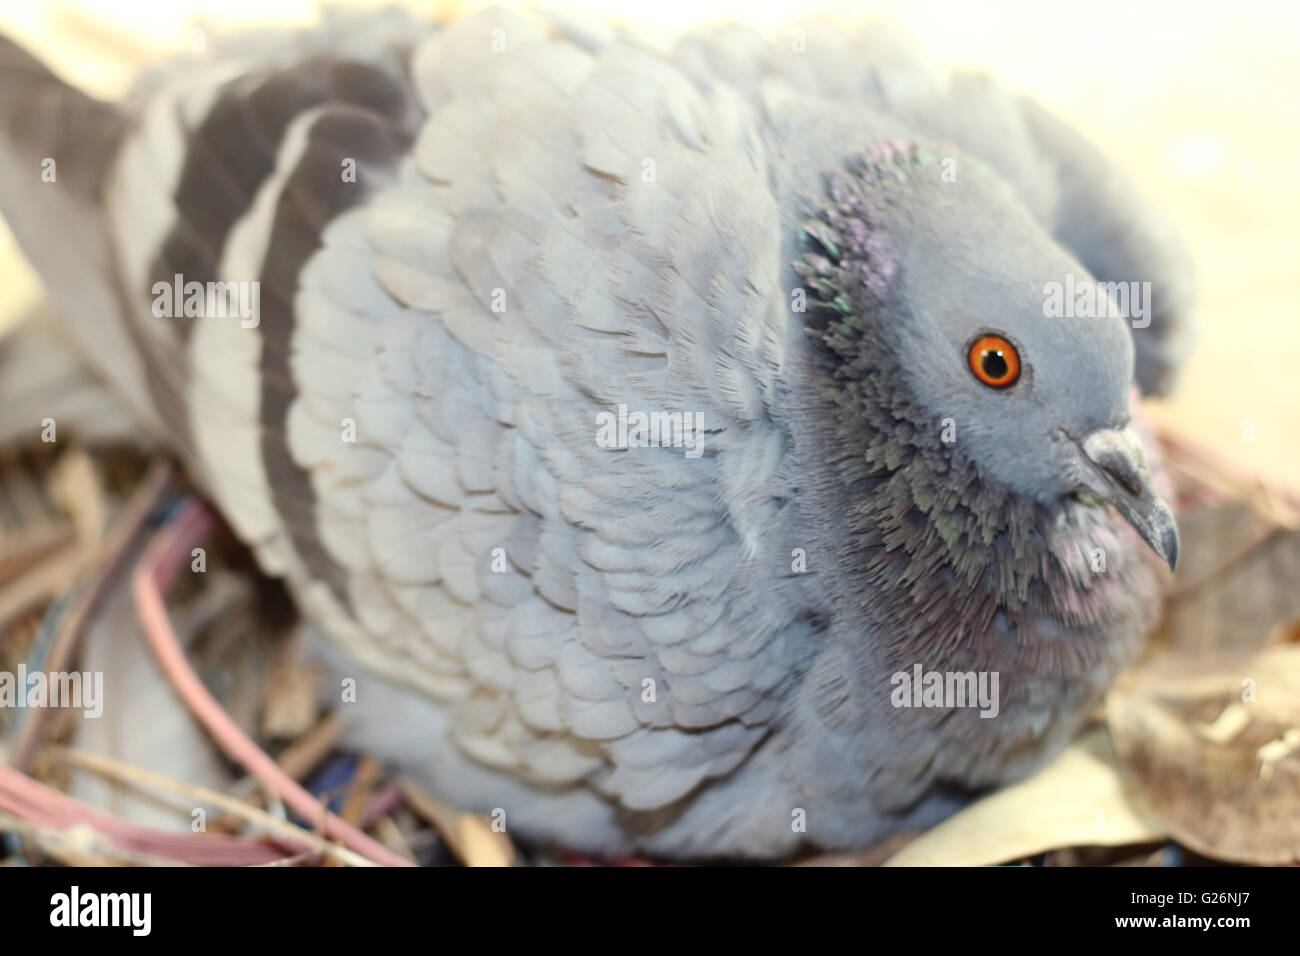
point(640, 648)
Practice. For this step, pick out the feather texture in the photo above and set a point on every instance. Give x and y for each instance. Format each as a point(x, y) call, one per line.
point(475, 243)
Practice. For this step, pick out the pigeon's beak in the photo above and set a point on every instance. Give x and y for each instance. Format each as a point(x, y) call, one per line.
point(1121, 477)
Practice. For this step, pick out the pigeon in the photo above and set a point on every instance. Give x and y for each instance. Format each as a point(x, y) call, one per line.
point(670, 437)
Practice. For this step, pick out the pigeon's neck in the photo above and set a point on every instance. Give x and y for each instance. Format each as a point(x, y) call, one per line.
point(946, 568)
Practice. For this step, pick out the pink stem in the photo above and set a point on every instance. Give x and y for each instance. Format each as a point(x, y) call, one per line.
point(153, 578)
point(44, 806)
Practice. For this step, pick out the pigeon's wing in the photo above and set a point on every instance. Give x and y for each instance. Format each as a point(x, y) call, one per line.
point(466, 256)
point(223, 140)
point(1082, 198)
point(579, 229)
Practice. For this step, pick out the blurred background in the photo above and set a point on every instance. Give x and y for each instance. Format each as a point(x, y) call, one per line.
point(1197, 101)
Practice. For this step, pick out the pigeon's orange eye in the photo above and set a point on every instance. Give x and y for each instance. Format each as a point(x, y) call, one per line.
point(995, 361)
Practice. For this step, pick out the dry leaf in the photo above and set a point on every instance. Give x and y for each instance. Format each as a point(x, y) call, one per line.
point(289, 704)
point(1077, 800)
point(76, 488)
point(1236, 582)
point(1208, 728)
point(1214, 748)
point(470, 837)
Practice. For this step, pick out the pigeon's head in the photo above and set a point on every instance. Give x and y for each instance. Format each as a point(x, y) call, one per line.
point(947, 308)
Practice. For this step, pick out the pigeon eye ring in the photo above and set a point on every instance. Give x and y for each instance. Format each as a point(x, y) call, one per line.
point(994, 361)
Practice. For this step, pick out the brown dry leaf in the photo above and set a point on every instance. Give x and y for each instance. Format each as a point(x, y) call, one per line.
point(76, 488)
point(1213, 746)
point(1236, 582)
point(363, 788)
point(289, 705)
point(44, 552)
point(1077, 800)
point(470, 837)
point(306, 753)
point(1208, 728)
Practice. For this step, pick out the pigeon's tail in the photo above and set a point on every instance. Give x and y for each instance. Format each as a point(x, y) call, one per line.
point(46, 389)
point(57, 147)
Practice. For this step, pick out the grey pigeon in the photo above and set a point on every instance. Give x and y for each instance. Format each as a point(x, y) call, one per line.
point(630, 414)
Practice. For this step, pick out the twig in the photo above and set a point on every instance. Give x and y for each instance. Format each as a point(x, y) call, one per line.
point(139, 777)
point(48, 577)
point(363, 785)
point(382, 804)
point(153, 577)
point(298, 759)
point(78, 845)
point(116, 547)
point(43, 806)
point(23, 549)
